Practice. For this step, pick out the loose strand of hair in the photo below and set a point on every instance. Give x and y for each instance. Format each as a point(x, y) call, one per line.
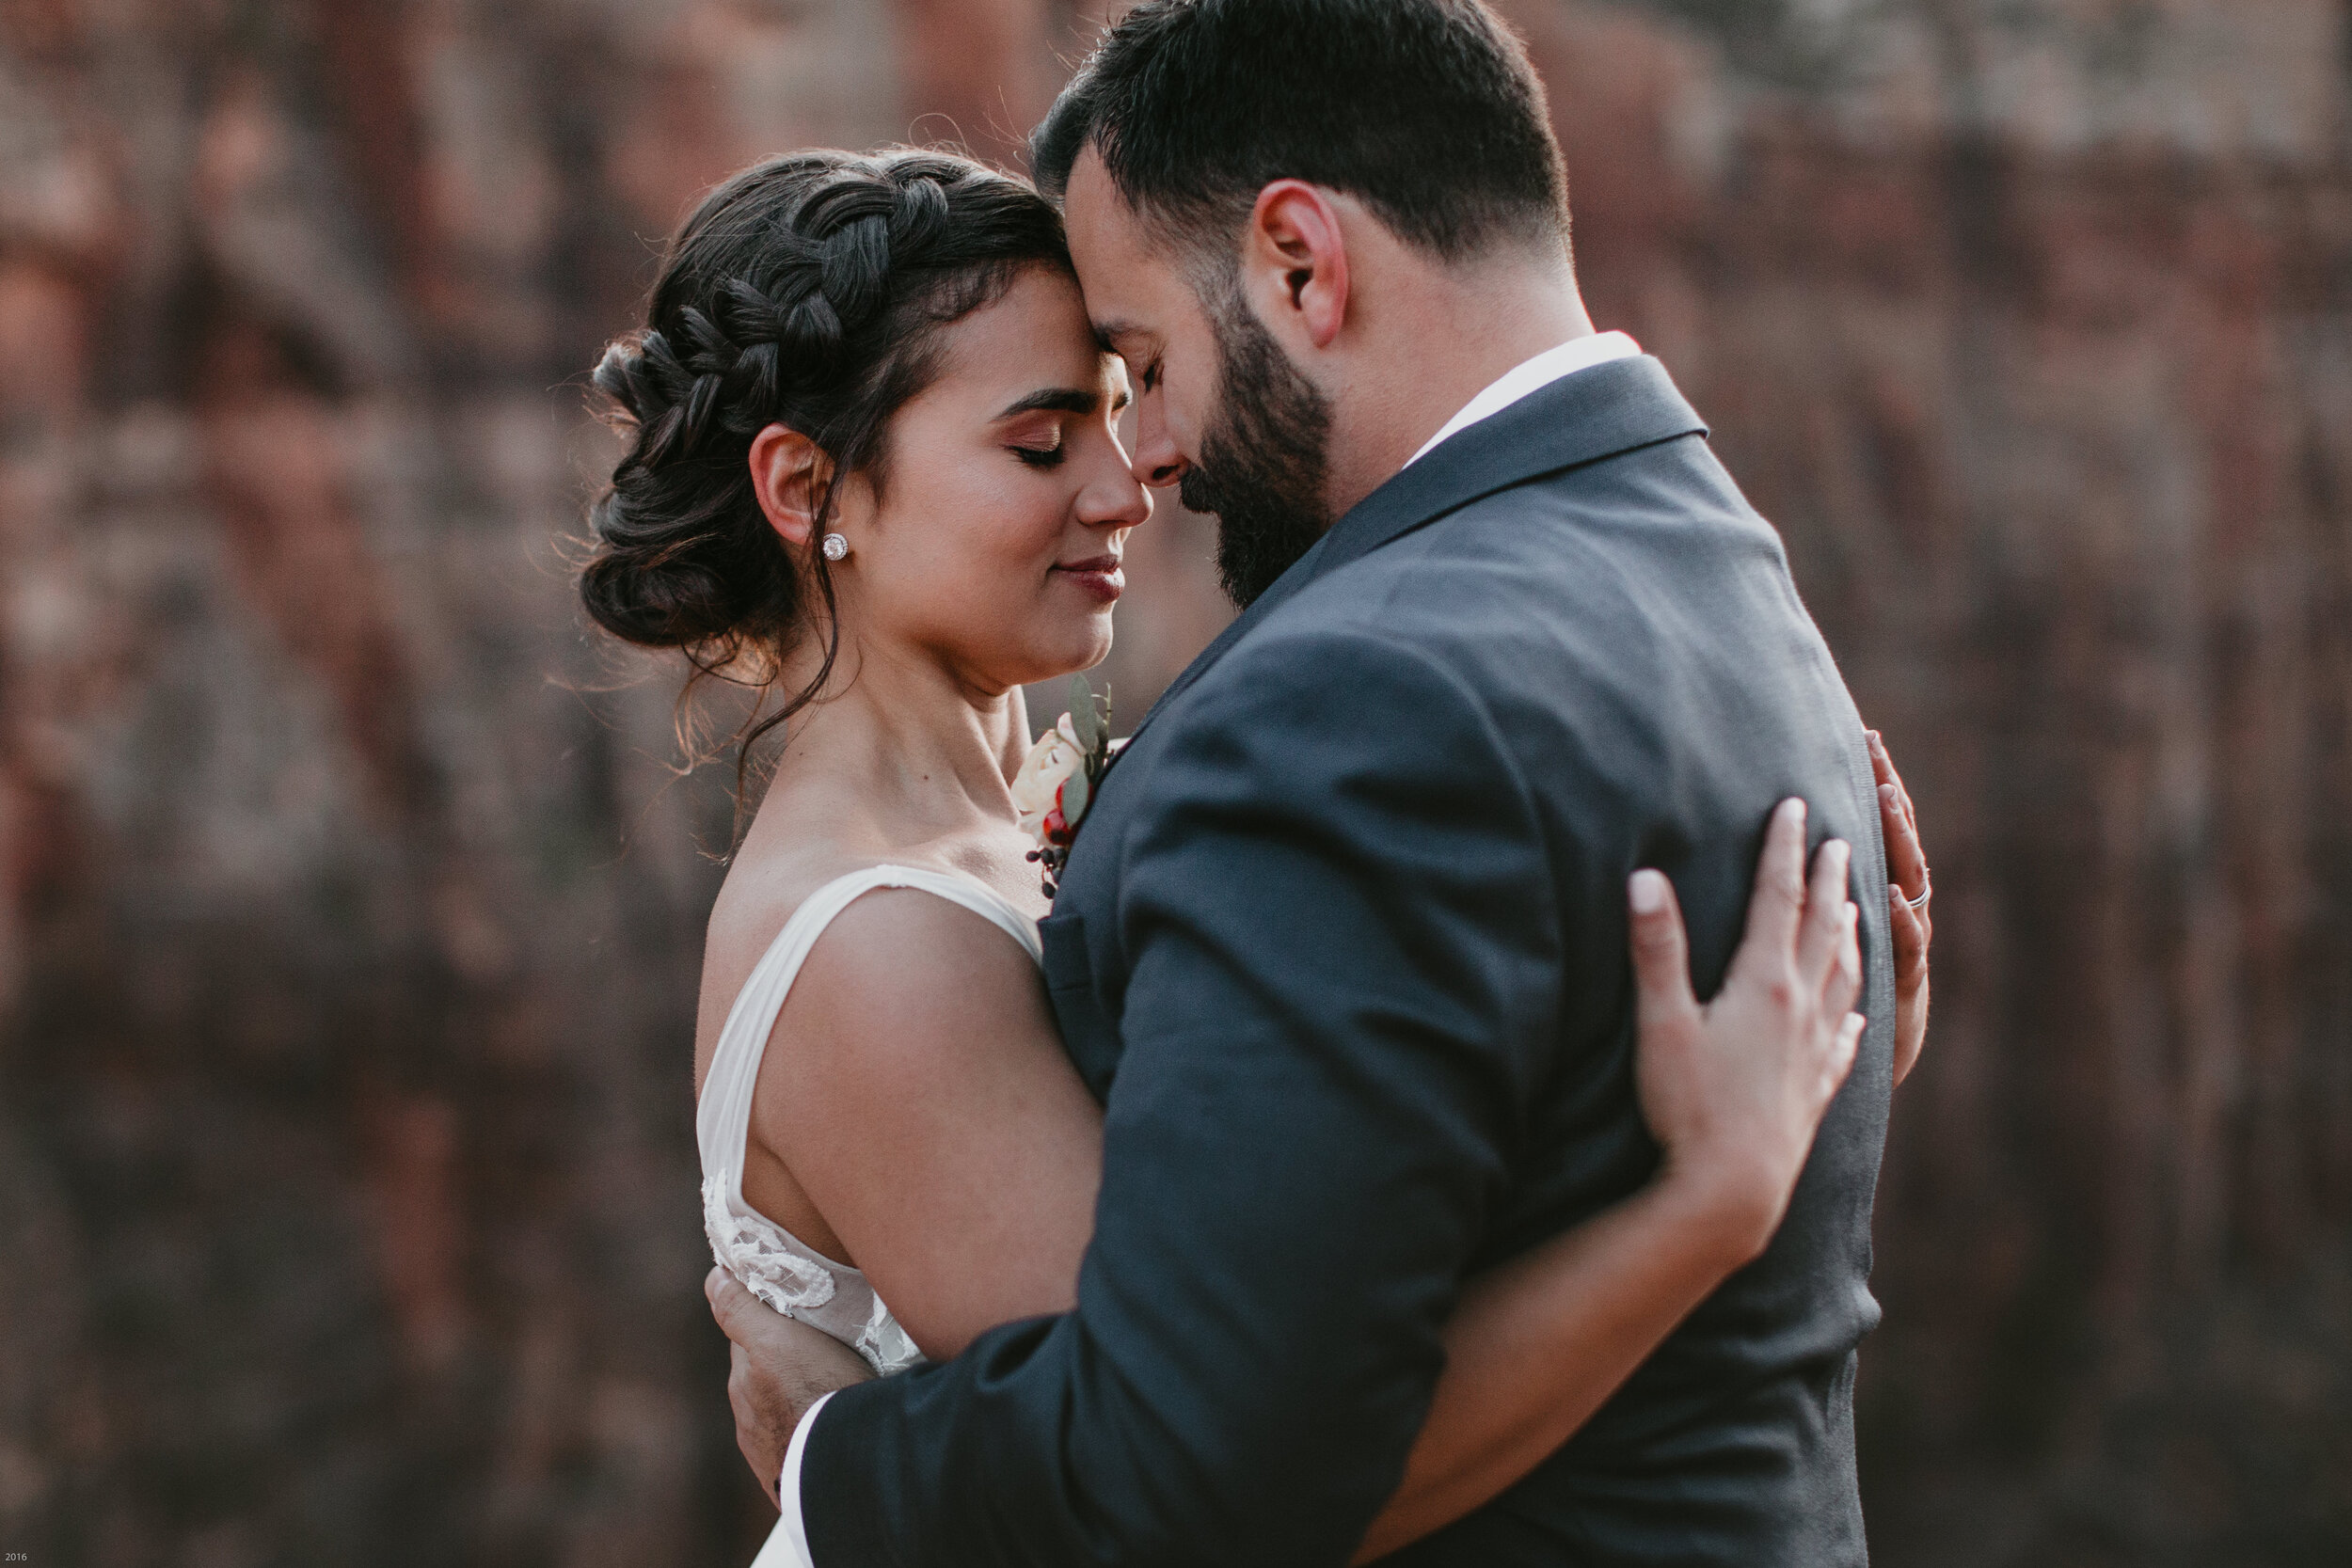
point(755, 728)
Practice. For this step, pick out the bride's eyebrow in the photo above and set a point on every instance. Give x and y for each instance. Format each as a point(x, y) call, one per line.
point(1061, 400)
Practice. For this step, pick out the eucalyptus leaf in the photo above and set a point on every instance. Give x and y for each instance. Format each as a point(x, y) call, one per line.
point(1076, 792)
point(1083, 718)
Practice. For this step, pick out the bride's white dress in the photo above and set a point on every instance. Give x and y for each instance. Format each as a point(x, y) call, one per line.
point(773, 1264)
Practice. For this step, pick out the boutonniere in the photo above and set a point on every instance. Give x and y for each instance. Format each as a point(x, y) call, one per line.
point(1057, 780)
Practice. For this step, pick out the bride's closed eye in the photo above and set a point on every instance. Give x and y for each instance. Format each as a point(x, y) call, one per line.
point(1038, 457)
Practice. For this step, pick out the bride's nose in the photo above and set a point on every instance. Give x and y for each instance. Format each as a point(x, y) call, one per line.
point(1113, 496)
point(1114, 499)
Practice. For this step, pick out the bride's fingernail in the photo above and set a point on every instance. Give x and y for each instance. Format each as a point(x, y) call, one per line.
point(1647, 890)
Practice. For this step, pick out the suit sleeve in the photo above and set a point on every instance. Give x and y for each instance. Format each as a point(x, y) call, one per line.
point(1343, 969)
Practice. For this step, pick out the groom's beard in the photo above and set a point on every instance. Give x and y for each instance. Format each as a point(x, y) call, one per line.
point(1263, 459)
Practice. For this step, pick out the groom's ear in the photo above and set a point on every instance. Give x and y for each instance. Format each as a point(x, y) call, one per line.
point(1296, 257)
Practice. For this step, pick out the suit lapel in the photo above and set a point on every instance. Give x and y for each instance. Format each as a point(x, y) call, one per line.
point(1602, 412)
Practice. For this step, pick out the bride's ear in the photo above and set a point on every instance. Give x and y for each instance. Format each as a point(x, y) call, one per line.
point(788, 475)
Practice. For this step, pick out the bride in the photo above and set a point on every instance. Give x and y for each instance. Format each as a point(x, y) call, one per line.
point(874, 472)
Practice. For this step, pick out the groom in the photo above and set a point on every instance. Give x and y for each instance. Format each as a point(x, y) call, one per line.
point(1342, 943)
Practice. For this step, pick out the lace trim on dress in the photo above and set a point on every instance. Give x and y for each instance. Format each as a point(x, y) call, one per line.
point(759, 1255)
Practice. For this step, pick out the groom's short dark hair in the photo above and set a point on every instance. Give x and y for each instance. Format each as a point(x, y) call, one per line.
point(1427, 111)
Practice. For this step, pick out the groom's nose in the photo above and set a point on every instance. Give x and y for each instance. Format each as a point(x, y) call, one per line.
point(1157, 463)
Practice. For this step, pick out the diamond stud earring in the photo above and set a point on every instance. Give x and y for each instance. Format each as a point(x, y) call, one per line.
point(835, 547)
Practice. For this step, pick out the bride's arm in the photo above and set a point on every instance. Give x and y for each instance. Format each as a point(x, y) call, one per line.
point(1732, 1091)
point(1536, 1345)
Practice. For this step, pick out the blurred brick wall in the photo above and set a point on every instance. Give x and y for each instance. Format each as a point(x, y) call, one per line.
point(349, 912)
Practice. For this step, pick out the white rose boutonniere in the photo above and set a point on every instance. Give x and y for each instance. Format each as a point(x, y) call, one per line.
point(1055, 782)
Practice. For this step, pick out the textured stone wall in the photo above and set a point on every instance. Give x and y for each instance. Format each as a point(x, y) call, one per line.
point(349, 908)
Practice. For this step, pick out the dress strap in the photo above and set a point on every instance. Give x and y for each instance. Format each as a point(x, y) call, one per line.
point(722, 1118)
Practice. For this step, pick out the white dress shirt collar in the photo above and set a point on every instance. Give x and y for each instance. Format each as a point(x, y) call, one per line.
point(1533, 375)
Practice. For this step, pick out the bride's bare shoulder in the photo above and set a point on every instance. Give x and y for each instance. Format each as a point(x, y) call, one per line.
point(897, 976)
point(889, 925)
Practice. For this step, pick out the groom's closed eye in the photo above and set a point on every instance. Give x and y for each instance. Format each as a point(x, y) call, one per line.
point(1133, 344)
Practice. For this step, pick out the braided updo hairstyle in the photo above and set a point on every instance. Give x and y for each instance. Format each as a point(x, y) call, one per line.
point(806, 290)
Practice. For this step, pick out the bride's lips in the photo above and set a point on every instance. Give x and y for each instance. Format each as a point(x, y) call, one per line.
point(1099, 576)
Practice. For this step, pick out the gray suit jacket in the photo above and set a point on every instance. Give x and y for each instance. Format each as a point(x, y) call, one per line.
point(1342, 947)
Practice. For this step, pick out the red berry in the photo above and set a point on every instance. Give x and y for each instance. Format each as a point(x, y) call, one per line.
point(1057, 829)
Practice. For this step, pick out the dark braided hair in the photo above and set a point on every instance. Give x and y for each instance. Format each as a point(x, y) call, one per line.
point(806, 290)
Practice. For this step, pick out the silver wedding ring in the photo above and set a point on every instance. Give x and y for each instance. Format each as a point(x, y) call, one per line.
point(1925, 894)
